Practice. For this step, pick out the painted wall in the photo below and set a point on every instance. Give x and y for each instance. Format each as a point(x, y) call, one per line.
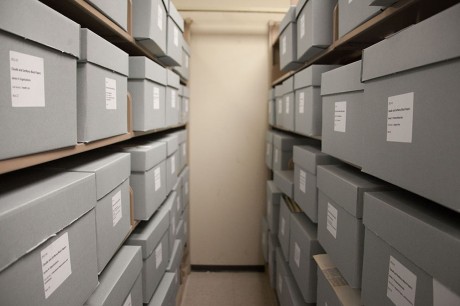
point(228, 121)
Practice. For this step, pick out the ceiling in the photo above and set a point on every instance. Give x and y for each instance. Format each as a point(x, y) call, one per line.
point(233, 5)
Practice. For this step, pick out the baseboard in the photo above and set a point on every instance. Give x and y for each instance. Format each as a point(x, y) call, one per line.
point(220, 268)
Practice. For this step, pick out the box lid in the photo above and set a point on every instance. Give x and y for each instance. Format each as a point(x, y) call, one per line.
point(118, 277)
point(272, 189)
point(288, 86)
point(419, 45)
point(148, 234)
point(36, 204)
point(345, 294)
point(423, 231)
point(299, 7)
point(284, 179)
point(172, 79)
point(176, 17)
point(111, 169)
point(172, 143)
point(288, 18)
point(145, 155)
point(141, 67)
point(96, 50)
point(343, 79)
point(286, 142)
point(346, 185)
point(181, 136)
point(308, 157)
point(185, 91)
point(164, 290)
point(311, 76)
point(176, 256)
point(309, 231)
point(25, 19)
point(278, 91)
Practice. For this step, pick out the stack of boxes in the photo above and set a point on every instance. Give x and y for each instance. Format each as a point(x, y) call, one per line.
point(66, 225)
point(384, 244)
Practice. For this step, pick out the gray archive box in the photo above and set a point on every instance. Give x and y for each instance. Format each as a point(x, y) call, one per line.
point(176, 256)
point(288, 104)
point(153, 237)
point(172, 99)
point(147, 86)
point(282, 269)
point(279, 117)
point(340, 213)
point(150, 25)
point(119, 278)
point(273, 206)
point(308, 106)
point(173, 56)
point(148, 176)
point(169, 207)
point(271, 112)
point(186, 218)
point(314, 27)
point(180, 230)
point(38, 98)
point(185, 64)
point(273, 244)
point(333, 289)
point(264, 238)
point(354, 13)
point(284, 227)
point(419, 251)
point(172, 160)
point(116, 10)
point(185, 104)
point(283, 145)
point(403, 75)
point(185, 177)
point(288, 42)
point(181, 149)
point(284, 180)
point(102, 84)
point(113, 213)
point(269, 149)
point(302, 246)
point(179, 206)
point(343, 116)
point(306, 159)
point(165, 295)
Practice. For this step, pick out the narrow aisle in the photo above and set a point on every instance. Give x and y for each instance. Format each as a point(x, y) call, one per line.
point(228, 289)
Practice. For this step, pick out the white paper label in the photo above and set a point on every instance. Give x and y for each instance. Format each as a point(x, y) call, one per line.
point(303, 181)
point(128, 301)
point(276, 155)
point(288, 102)
point(116, 208)
point(401, 284)
point(176, 37)
point(173, 164)
point(186, 187)
point(173, 99)
point(56, 264)
point(184, 149)
point(283, 44)
point(332, 216)
point(297, 254)
point(280, 283)
point(27, 75)
point(110, 93)
point(302, 26)
point(301, 103)
point(160, 17)
point(156, 97)
point(157, 175)
point(400, 117)
point(158, 255)
point(280, 106)
point(283, 223)
point(340, 116)
point(442, 296)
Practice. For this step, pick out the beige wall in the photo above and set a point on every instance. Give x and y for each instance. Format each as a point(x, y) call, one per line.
point(229, 83)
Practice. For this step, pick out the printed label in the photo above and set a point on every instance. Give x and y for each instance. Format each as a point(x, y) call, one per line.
point(332, 216)
point(401, 284)
point(283, 44)
point(280, 283)
point(302, 26)
point(276, 155)
point(128, 301)
point(158, 255)
point(283, 223)
point(442, 296)
point(340, 116)
point(288, 102)
point(176, 37)
point(173, 164)
point(334, 277)
point(280, 106)
point(27, 75)
point(156, 98)
point(400, 118)
point(160, 17)
point(116, 208)
point(110, 93)
point(297, 254)
point(303, 181)
point(157, 175)
point(173, 99)
point(56, 264)
point(301, 103)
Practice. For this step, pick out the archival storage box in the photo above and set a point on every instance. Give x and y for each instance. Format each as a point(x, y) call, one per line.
point(354, 13)
point(273, 206)
point(411, 109)
point(147, 86)
point(288, 104)
point(172, 98)
point(116, 10)
point(284, 180)
point(282, 149)
point(38, 83)
point(288, 42)
point(172, 160)
point(168, 207)
point(165, 295)
point(279, 117)
point(264, 239)
point(102, 89)
point(343, 116)
point(273, 244)
point(269, 149)
point(175, 30)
